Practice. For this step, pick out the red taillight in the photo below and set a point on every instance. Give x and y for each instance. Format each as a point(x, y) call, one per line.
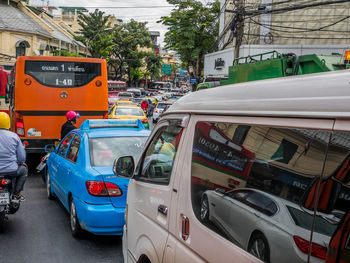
point(19, 124)
point(98, 188)
point(105, 116)
point(144, 121)
point(317, 250)
point(5, 181)
point(155, 110)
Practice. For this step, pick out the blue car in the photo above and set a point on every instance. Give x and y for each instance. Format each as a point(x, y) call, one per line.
point(80, 173)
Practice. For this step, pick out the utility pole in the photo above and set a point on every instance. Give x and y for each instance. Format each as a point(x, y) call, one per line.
point(239, 23)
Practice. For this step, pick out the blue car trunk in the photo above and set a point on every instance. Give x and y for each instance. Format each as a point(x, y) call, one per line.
point(108, 176)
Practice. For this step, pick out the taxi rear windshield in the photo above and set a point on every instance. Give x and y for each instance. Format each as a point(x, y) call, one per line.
point(129, 112)
point(62, 74)
point(103, 151)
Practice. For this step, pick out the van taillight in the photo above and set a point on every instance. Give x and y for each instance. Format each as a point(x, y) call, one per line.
point(98, 188)
point(105, 116)
point(19, 124)
point(317, 250)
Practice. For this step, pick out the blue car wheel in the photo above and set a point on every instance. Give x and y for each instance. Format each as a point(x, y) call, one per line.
point(49, 193)
point(74, 222)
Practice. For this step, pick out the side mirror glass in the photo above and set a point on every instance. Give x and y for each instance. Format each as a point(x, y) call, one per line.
point(50, 148)
point(124, 166)
point(329, 190)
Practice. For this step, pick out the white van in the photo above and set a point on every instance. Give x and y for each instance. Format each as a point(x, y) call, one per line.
point(227, 174)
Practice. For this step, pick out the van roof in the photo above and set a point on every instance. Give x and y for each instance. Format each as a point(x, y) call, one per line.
point(321, 95)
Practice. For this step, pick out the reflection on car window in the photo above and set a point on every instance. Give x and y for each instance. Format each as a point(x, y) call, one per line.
point(103, 151)
point(260, 170)
point(158, 160)
point(128, 112)
point(73, 150)
point(64, 145)
point(304, 220)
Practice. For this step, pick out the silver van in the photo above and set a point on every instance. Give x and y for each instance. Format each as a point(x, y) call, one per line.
point(251, 172)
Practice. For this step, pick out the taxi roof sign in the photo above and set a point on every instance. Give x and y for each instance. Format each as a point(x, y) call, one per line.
point(111, 123)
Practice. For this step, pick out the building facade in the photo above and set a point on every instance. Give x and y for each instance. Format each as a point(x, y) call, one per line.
point(258, 26)
point(29, 30)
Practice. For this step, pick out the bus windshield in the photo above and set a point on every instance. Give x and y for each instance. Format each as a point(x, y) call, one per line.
point(63, 74)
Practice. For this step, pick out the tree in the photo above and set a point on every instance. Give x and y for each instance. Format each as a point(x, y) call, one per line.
point(153, 65)
point(129, 39)
point(95, 33)
point(193, 29)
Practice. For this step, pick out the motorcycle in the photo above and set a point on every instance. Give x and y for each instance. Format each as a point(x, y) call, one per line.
point(42, 165)
point(7, 205)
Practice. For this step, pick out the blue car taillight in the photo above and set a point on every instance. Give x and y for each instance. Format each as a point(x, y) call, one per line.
point(98, 188)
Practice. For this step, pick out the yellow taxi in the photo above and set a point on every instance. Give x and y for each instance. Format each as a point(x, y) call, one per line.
point(128, 112)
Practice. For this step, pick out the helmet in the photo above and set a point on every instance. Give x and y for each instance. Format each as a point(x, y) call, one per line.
point(71, 115)
point(4, 121)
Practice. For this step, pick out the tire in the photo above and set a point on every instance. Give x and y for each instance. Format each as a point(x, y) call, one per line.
point(259, 247)
point(204, 212)
point(2, 221)
point(74, 221)
point(49, 193)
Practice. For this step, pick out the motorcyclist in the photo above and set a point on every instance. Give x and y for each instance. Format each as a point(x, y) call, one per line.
point(12, 157)
point(144, 106)
point(69, 124)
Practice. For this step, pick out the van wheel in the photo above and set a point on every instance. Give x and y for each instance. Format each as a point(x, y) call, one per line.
point(259, 247)
point(205, 209)
point(74, 222)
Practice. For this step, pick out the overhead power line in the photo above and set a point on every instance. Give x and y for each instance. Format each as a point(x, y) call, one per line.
point(127, 7)
point(285, 9)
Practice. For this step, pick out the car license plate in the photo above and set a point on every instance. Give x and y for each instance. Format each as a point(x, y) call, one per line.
point(4, 198)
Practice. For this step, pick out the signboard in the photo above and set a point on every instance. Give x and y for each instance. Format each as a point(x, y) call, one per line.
point(166, 69)
point(193, 80)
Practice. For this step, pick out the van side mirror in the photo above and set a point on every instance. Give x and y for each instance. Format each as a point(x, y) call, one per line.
point(329, 190)
point(124, 166)
point(50, 148)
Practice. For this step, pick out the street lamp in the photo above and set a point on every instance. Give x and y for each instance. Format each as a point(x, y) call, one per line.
point(99, 31)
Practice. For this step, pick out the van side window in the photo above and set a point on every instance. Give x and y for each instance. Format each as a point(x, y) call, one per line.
point(248, 181)
point(334, 197)
point(159, 158)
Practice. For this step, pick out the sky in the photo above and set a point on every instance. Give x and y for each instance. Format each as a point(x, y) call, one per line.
point(110, 7)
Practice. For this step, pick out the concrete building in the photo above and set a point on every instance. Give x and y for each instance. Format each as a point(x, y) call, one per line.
point(28, 30)
point(286, 27)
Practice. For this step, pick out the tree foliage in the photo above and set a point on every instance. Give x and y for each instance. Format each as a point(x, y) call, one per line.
point(129, 39)
point(192, 31)
point(95, 33)
point(153, 65)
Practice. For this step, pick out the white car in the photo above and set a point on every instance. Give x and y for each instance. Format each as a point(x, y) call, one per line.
point(271, 228)
point(158, 110)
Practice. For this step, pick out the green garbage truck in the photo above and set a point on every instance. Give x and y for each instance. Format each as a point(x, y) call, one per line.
point(275, 65)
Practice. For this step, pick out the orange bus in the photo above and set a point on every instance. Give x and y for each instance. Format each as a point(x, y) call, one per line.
point(43, 89)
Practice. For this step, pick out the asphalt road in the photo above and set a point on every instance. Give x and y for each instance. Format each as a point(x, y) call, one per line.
point(39, 232)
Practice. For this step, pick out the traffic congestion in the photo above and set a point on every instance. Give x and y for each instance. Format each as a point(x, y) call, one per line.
point(218, 133)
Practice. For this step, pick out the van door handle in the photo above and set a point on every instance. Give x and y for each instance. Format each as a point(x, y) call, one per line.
point(256, 214)
point(163, 209)
point(185, 228)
